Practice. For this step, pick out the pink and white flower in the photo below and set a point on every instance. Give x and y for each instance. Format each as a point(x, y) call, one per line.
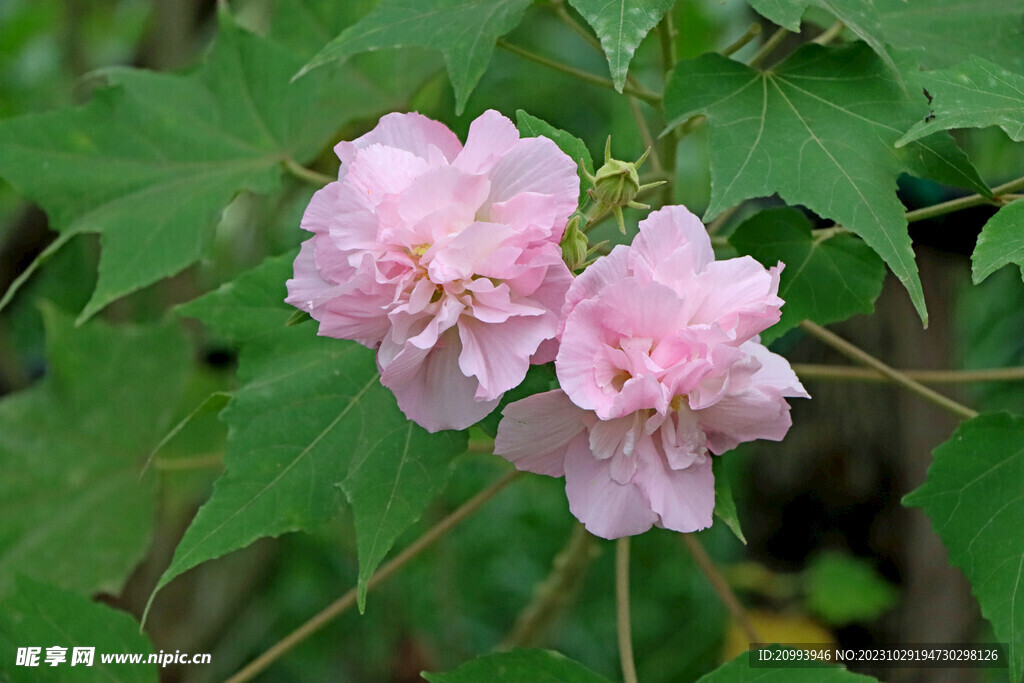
point(443, 257)
point(660, 367)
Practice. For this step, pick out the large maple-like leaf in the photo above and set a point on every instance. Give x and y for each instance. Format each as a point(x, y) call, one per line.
point(310, 415)
point(819, 131)
point(152, 159)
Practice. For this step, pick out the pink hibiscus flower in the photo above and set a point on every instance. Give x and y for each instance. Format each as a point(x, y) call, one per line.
point(660, 367)
point(444, 258)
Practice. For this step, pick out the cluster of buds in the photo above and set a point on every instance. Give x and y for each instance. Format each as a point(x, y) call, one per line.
point(614, 186)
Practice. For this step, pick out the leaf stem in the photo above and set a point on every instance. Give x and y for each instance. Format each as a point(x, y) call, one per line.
point(636, 90)
point(769, 46)
point(554, 592)
point(622, 609)
point(309, 175)
point(864, 358)
point(851, 374)
point(753, 32)
point(722, 218)
point(829, 34)
point(965, 202)
point(348, 599)
point(721, 587)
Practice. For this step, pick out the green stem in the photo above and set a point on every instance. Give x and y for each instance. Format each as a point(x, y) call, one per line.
point(553, 594)
point(307, 174)
point(721, 219)
point(635, 90)
point(844, 373)
point(667, 39)
point(348, 599)
point(769, 47)
point(965, 202)
point(829, 34)
point(622, 610)
point(753, 32)
point(864, 358)
point(721, 587)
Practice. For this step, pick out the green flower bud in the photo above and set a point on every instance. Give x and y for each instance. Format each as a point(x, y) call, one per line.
point(616, 184)
point(574, 245)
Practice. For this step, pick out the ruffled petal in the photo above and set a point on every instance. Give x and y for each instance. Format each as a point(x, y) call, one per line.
point(430, 388)
point(607, 509)
point(535, 432)
point(671, 231)
point(536, 165)
point(683, 499)
point(412, 132)
point(490, 137)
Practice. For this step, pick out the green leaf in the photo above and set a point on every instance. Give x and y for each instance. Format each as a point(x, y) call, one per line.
point(621, 25)
point(75, 511)
point(725, 506)
point(1001, 242)
point(860, 16)
point(390, 485)
point(974, 94)
point(42, 615)
point(536, 666)
point(826, 278)
point(739, 671)
point(464, 30)
point(153, 159)
point(941, 33)
point(974, 496)
point(531, 126)
point(310, 414)
point(842, 589)
point(819, 131)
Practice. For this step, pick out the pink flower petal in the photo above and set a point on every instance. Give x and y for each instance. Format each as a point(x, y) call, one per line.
point(498, 355)
point(490, 138)
point(537, 165)
point(683, 499)
point(410, 132)
point(431, 390)
point(535, 432)
point(607, 509)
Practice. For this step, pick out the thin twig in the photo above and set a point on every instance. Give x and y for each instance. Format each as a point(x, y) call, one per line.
point(307, 174)
point(768, 47)
point(863, 357)
point(636, 90)
point(844, 373)
point(622, 610)
point(721, 587)
point(753, 32)
point(348, 599)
